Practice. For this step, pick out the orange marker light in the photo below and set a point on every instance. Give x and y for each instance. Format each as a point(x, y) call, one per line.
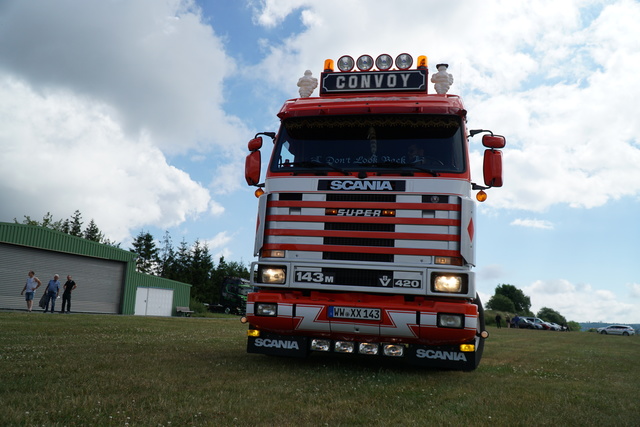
point(481, 196)
point(422, 61)
point(328, 66)
point(259, 192)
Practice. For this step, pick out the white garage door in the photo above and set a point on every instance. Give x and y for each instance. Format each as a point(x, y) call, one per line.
point(154, 302)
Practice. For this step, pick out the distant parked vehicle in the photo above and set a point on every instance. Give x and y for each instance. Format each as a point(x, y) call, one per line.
point(617, 330)
point(526, 323)
point(555, 326)
point(539, 323)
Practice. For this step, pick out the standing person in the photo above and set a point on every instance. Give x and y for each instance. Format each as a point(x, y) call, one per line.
point(508, 321)
point(516, 322)
point(498, 320)
point(53, 289)
point(30, 287)
point(66, 295)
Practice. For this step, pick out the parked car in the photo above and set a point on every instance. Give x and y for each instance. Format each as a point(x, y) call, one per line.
point(617, 330)
point(555, 326)
point(526, 323)
point(539, 323)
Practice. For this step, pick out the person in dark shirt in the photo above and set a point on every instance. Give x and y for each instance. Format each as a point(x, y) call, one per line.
point(66, 296)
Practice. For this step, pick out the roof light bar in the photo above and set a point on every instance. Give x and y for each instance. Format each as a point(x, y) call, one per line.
point(364, 63)
point(404, 61)
point(345, 63)
point(384, 62)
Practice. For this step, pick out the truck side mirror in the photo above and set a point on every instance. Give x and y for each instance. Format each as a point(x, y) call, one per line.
point(494, 141)
point(255, 144)
point(252, 168)
point(492, 167)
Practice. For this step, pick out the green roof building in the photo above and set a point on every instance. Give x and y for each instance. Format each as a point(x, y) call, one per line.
point(106, 277)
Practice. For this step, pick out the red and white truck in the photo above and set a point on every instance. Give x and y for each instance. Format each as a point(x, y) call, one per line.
point(366, 226)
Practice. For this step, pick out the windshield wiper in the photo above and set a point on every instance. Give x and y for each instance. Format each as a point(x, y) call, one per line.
point(312, 164)
point(408, 166)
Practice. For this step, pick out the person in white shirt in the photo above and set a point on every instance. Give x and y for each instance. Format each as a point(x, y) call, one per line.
point(29, 289)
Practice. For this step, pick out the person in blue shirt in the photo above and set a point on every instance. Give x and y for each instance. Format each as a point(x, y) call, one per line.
point(53, 289)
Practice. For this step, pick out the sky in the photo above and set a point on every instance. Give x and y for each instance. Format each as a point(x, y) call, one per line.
point(138, 113)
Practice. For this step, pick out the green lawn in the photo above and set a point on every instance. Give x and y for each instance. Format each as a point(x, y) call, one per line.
point(126, 370)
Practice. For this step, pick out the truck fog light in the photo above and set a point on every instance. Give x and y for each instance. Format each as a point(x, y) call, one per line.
point(344, 347)
point(368, 348)
point(253, 333)
point(266, 309)
point(467, 348)
point(272, 275)
point(394, 350)
point(320, 345)
point(451, 320)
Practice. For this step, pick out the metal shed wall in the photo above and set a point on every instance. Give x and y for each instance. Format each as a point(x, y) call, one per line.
point(99, 281)
point(111, 272)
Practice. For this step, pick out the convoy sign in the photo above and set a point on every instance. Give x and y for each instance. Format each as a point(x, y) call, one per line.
point(378, 81)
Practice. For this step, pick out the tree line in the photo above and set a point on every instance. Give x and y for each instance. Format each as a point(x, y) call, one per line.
point(509, 299)
point(191, 264)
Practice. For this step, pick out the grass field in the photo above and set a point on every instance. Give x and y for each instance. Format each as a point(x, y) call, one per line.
point(127, 370)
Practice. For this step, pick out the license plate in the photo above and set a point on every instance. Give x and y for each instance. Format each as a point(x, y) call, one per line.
point(354, 313)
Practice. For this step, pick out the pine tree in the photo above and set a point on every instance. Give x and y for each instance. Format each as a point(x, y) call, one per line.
point(167, 257)
point(144, 246)
point(92, 232)
point(76, 224)
point(201, 268)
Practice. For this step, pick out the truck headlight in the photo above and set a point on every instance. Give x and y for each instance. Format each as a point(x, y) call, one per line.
point(449, 283)
point(272, 275)
point(266, 309)
point(446, 320)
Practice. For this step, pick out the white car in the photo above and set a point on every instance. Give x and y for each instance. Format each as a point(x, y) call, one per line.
point(617, 330)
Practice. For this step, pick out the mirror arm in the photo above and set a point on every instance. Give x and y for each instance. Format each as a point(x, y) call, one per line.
point(271, 135)
point(474, 132)
point(475, 186)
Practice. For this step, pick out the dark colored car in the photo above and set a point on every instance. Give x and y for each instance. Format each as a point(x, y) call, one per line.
point(525, 323)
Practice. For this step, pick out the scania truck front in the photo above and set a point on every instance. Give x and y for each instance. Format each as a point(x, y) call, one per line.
point(366, 227)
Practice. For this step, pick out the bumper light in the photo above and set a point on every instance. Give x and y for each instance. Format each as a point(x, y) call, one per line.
point(344, 347)
point(393, 350)
point(320, 345)
point(467, 348)
point(455, 321)
point(272, 275)
point(266, 309)
point(368, 348)
point(253, 333)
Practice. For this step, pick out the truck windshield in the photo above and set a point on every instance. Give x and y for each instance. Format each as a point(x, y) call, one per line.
point(410, 143)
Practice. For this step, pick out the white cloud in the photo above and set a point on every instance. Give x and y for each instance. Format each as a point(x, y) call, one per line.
point(155, 63)
point(533, 223)
point(634, 290)
point(63, 153)
point(557, 87)
point(91, 99)
point(580, 302)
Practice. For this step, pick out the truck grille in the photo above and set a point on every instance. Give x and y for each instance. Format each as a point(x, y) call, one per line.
point(350, 227)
